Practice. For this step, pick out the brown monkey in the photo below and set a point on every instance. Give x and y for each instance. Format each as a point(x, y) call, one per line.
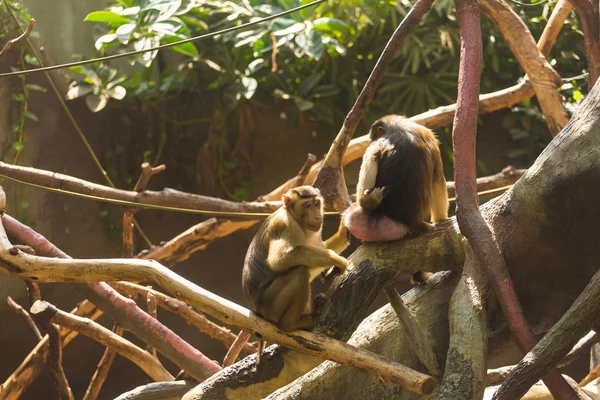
point(401, 183)
point(286, 254)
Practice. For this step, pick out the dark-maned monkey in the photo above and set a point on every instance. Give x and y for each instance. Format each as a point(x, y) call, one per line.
point(401, 183)
point(286, 254)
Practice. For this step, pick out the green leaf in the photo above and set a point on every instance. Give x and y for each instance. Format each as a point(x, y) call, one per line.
point(16, 127)
point(76, 91)
point(308, 83)
point(18, 96)
point(30, 115)
point(17, 146)
point(96, 103)
point(330, 25)
point(292, 30)
point(34, 86)
point(106, 16)
point(248, 86)
point(255, 66)
point(32, 60)
point(104, 40)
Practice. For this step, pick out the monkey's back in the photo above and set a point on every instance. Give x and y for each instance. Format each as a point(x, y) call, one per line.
point(405, 170)
point(256, 274)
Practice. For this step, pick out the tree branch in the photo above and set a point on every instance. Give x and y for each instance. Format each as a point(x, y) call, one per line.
point(69, 270)
point(102, 369)
point(464, 375)
point(106, 337)
point(22, 312)
point(544, 78)
point(180, 308)
point(555, 345)
point(124, 311)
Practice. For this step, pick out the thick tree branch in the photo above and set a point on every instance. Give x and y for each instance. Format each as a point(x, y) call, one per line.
point(158, 391)
point(469, 218)
point(464, 375)
point(555, 345)
point(544, 78)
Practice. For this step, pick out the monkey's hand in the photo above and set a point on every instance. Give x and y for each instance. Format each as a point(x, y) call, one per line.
point(338, 261)
point(371, 198)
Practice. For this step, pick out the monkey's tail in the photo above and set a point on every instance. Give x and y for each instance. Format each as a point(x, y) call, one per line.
point(236, 348)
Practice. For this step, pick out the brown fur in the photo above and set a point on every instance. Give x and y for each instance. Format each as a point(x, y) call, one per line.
point(401, 183)
point(286, 254)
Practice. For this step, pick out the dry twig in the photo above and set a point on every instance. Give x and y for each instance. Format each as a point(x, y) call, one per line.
point(16, 40)
point(102, 369)
point(22, 312)
point(100, 334)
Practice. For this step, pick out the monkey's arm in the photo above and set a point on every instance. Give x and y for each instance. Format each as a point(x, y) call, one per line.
point(367, 196)
point(282, 256)
point(339, 241)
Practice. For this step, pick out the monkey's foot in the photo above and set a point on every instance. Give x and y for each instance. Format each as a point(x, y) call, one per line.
point(371, 198)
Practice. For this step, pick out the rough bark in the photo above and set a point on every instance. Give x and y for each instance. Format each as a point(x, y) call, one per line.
point(464, 376)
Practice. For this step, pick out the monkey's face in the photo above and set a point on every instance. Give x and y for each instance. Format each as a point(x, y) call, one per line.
point(310, 213)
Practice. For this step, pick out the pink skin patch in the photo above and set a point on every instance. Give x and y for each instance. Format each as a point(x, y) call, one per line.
point(381, 229)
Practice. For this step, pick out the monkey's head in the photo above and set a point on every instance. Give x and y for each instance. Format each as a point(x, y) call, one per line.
point(305, 204)
point(384, 125)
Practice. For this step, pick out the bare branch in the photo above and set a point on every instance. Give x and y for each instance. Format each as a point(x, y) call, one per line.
point(62, 270)
point(37, 359)
point(469, 217)
point(180, 308)
point(544, 78)
point(21, 37)
point(22, 312)
point(422, 341)
point(102, 369)
point(124, 311)
point(164, 198)
point(464, 375)
point(158, 391)
point(56, 369)
point(100, 334)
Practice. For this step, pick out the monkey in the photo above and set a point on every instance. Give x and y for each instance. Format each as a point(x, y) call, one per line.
point(285, 256)
point(401, 184)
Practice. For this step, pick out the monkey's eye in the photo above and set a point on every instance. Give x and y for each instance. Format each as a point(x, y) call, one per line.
point(306, 204)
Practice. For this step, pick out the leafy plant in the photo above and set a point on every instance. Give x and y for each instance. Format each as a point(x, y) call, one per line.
point(98, 84)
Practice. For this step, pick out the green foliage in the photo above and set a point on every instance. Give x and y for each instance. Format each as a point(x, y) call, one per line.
point(22, 93)
point(98, 84)
point(314, 62)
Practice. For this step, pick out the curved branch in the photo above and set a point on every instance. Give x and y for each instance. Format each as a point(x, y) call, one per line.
point(544, 78)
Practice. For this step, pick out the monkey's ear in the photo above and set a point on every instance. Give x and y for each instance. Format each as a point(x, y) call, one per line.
point(285, 199)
